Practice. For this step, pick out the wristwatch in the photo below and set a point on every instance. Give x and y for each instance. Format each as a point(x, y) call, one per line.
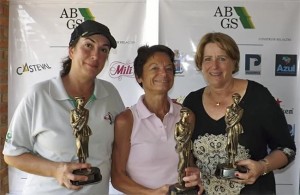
point(266, 166)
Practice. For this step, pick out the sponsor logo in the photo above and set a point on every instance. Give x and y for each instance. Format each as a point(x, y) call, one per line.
point(286, 65)
point(285, 111)
point(275, 39)
point(288, 111)
point(125, 42)
point(76, 16)
point(119, 69)
point(32, 68)
point(292, 129)
point(253, 64)
point(232, 17)
point(278, 101)
point(178, 62)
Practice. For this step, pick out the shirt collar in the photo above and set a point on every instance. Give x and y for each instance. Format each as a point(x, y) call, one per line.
point(58, 91)
point(143, 111)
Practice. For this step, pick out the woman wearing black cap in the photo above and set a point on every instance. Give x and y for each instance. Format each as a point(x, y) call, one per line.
point(40, 138)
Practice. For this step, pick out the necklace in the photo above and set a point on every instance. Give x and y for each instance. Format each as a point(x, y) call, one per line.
point(218, 103)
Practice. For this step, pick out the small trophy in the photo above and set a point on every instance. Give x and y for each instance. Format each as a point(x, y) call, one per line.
point(183, 133)
point(79, 118)
point(233, 117)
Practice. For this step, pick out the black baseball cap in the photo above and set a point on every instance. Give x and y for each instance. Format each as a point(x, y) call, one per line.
point(91, 27)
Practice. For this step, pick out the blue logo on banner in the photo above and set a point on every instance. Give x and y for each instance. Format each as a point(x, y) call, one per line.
point(292, 129)
point(253, 64)
point(286, 65)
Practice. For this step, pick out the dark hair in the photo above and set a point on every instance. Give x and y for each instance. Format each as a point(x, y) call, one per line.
point(66, 62)
point(86, 29)
point(225, 42)
point(144, 53)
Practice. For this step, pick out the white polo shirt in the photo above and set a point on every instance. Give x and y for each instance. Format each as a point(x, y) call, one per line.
point(41, 125)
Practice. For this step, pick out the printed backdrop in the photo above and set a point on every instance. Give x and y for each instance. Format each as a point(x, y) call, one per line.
point(40, 32)
point(269, 52)
point(39, 35)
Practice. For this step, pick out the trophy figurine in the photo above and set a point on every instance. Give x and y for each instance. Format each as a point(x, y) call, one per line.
point(79, 119)
point(183, 133)
point(233, 117)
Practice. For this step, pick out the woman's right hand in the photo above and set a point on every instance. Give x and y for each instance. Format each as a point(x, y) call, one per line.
point(64, 174)
point(255, 170)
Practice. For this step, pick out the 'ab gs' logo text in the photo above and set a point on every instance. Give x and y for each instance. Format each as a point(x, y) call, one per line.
point(231, 22)
point(72, 15)
point(286, 65)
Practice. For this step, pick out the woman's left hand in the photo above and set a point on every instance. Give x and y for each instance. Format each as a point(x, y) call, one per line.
point(192, 178)
point(254, 170)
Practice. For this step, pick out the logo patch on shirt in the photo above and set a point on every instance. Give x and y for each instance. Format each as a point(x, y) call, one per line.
point(8, 137)
point(109, 117)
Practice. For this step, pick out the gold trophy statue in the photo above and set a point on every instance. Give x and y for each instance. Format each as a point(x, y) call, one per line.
point(233, 117)
point(79, 118)
point(183, 132)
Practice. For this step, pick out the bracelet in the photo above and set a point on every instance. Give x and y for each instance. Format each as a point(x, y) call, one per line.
point(266, 165)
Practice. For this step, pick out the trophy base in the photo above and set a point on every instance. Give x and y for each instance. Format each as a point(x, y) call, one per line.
point(93, 174)
point(225, 171)
point(177, 189)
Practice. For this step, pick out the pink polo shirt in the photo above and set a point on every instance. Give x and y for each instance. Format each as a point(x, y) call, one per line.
point(152, 160)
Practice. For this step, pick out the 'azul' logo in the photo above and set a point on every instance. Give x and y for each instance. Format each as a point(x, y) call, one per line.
point(253, 64)
point(230, 22)
point(286, 65)
point(72, 15)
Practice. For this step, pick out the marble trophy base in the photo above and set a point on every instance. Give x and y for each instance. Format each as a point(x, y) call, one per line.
point(93, 174)
point(226, 171)
point(178, 189)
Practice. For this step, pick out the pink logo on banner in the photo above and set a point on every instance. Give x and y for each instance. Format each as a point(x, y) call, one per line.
point(119, 69)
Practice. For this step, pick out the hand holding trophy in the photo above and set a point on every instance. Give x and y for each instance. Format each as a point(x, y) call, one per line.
point(233, 116)
point(79, 119)
point(183, 132)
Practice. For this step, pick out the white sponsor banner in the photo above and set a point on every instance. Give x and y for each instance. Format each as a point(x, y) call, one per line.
point(39, 33)
point(267, 33)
